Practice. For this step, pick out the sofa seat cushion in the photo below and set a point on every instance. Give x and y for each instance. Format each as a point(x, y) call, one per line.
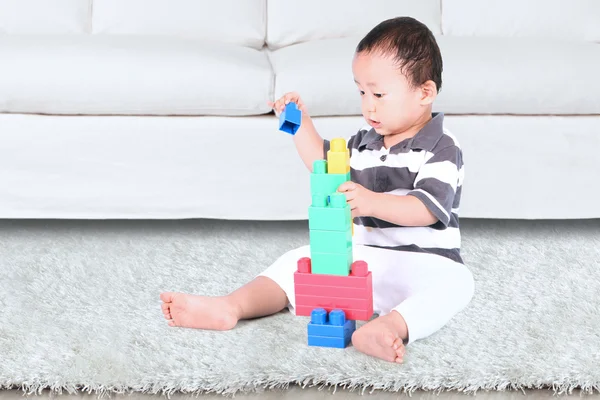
point(481, 76)
point(131, 75)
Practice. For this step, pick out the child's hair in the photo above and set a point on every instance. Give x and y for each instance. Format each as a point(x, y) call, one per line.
point(412, 45)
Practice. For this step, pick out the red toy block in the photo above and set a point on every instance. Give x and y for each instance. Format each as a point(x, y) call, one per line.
point(360, 277)
point(353, 293)
point(332, 302)
point(333, 291)
point(357, 315)
point(349, 281)
point(304, 265)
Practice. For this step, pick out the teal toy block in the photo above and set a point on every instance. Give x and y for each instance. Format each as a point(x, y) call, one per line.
point(322, 182)
point(319, 167)
point(330, 241)
point(327, 183)
point(332, 215)
point(332, 263)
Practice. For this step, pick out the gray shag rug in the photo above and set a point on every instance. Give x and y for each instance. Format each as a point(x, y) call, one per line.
point(80, 311)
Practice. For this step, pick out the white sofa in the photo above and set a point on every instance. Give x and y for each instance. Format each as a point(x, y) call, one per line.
point(157, 108)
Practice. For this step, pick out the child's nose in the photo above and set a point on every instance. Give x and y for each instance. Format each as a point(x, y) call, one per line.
point(369, 106)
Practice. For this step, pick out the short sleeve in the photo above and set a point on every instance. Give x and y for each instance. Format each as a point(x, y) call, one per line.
point(437, 181)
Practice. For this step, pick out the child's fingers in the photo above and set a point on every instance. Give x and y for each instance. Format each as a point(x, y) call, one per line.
point(347, 186)
point(292, 97)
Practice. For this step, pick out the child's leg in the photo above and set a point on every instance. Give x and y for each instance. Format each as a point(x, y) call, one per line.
point(265, 295)
point(415, 295)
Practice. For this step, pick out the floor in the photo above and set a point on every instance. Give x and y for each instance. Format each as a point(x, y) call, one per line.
point(297, 393)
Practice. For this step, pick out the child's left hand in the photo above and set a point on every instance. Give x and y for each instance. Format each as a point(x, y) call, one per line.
point(359, 198)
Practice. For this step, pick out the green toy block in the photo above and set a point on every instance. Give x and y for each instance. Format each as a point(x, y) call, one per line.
point(320, 167)
point(331, 263)
point(334, 215)
point(327, 183)
point(330, 241)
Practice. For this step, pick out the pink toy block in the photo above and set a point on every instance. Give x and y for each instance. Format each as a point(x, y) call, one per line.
point(353, 293)
point(357, 315)
point(333, 291)
point(360, 277)
point(304, 265)
point(329, 302)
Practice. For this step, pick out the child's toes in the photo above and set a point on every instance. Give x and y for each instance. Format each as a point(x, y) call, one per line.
point(400, 350)
point(397, 344)
point(166, 309)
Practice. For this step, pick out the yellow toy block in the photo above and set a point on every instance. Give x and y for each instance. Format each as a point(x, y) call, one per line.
point(338, 157)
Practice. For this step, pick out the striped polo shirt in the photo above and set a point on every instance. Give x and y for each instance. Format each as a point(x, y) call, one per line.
point(428, 166)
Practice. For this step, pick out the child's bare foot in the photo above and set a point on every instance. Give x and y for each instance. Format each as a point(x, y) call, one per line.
point(201, 312)
point(382, 337)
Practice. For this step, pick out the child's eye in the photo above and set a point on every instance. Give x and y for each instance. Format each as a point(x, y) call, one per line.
point(378, 95)
point(361, 92)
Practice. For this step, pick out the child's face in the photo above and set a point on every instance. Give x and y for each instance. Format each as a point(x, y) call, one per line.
point(389, 103)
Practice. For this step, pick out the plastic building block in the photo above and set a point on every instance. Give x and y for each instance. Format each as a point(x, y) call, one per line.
point(332, 263)
point(338, 157)
point(290, 119)
point(357, 315)
point(331, 303)
point(324, 182)
point(359, 277)
point(328, 341)
point(333, 291)
point(319, 167)
point(335, 324)
point(330, 241)
point(304, 265)
point(327, 183)
point(332, 215)
point(330, 331)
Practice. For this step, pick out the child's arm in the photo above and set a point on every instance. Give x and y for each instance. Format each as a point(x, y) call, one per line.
point(309, 143)
point(402, 210)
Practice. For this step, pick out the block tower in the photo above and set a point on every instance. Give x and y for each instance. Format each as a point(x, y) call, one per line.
point(330, 286)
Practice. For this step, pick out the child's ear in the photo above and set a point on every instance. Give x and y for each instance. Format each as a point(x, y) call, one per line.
point(428, 93)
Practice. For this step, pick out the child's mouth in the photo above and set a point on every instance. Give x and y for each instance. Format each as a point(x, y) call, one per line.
point(374, 124)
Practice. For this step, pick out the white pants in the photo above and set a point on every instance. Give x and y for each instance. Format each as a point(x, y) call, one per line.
point(426, 289)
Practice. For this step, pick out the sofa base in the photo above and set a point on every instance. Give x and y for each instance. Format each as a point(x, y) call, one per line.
point(114, 167)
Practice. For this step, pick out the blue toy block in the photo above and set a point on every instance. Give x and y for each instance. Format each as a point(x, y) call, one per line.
point(335, 327)
point(290, 118)
point(330, 331)
point(326, 341)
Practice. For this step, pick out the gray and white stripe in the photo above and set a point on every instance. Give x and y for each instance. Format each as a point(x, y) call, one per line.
point(428, 166)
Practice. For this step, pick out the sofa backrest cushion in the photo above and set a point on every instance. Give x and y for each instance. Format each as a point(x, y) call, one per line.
point(565, 19)
point(232, 21)
point(44, 16)
point(291, 22)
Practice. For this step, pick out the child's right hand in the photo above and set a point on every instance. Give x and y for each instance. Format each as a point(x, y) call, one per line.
point(290, 97)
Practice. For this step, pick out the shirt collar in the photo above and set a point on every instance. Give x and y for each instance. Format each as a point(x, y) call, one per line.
point(425, 139)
